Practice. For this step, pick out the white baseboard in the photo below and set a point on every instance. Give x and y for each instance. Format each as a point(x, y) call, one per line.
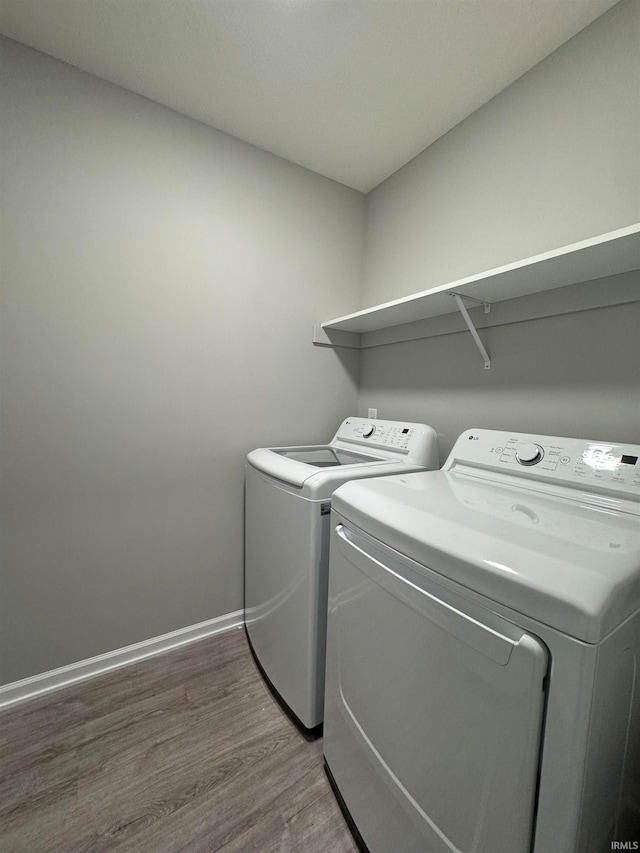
point(55, 679)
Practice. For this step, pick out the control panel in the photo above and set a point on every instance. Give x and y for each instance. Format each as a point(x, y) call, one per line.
point(389, 434)
point(595, 464)
point(416, 442)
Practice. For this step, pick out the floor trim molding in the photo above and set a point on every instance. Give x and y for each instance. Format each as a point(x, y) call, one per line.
point(56, 679)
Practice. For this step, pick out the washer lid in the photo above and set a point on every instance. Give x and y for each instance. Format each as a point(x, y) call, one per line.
point(326, 457)
point(295, 465)
point(561, 561)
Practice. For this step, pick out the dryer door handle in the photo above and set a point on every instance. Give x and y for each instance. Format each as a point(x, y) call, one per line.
point(438, 604)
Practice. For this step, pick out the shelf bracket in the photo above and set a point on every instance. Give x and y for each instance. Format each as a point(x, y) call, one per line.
point(465, 316)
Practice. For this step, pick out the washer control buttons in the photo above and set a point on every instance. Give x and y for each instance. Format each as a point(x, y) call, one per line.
point(529, 454)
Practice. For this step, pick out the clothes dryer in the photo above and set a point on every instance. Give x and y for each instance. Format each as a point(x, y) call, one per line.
point(287, 525)
point(483, 650)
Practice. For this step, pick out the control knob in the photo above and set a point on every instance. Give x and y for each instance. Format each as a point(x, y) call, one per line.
point(368, 431)
point(529, 454)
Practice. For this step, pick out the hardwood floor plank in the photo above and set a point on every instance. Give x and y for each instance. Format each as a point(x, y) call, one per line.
point(183, 753)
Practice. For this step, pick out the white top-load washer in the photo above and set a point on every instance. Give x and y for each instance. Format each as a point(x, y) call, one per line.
point(483, 650)
point(287, 525)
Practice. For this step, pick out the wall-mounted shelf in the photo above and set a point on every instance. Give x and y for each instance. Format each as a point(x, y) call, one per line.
point(598, 257)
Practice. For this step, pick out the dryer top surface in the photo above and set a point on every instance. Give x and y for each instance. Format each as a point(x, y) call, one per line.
point(558, 545)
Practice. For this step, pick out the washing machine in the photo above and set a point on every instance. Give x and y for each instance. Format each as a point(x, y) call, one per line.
point(287, 525)
point(483, 650)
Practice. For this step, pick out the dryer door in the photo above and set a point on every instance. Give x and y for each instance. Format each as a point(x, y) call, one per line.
point(433, 709)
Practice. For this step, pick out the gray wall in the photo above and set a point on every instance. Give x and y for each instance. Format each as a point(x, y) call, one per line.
point(553, 159)
point(159, 285)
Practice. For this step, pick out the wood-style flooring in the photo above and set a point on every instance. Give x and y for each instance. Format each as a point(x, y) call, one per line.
point(187, 751)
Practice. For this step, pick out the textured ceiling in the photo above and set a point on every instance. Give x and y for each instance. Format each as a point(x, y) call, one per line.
point(352, 89)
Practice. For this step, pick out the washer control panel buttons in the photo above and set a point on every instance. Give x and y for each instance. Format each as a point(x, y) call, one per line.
point(395, 436)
